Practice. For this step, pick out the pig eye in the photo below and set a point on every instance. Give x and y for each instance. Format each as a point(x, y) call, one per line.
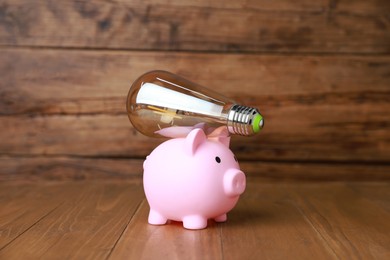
point(235, 158)
point(217, 159)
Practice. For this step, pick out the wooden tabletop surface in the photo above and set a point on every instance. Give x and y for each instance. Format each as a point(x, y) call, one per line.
point(279, 220)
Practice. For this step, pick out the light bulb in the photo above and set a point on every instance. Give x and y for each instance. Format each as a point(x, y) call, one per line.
point(163, 104)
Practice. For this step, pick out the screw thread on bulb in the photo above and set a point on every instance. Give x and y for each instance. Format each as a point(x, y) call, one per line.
point(243, 120)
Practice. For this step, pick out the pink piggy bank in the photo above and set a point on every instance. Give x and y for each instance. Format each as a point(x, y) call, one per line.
point(192, 179)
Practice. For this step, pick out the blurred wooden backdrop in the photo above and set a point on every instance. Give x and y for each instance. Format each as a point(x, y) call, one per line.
point(319, 71)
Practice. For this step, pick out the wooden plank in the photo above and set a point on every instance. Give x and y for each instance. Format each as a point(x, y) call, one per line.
point(358, 7)
point(87, 226)
point(379, 197)
point(264, 5)
point(326, 26)
point(62, 168)
point(89, 82)
point(346, 6)
point(55, 168)
point(267, 225)
point(304, 171)
point(330, 107)
point(94, 135)
point(143, 241)
point(22, 207)
point(349, 223)
point(342, 222)
point(112, 136)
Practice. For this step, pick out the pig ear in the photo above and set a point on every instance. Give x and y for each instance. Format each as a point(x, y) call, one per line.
point(193, 140)
point(221, 135)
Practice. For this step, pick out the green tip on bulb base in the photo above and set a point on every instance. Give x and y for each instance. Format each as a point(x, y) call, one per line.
point(243, 120)
point(257, 123)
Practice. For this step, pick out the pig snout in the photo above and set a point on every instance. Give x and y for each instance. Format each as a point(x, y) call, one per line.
point(234, 182)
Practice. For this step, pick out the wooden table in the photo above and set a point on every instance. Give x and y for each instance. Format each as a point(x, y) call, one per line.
point(273, 220)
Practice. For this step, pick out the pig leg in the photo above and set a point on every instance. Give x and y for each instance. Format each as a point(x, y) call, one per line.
point(194, 222)
point(221, 218)
point(156, 218)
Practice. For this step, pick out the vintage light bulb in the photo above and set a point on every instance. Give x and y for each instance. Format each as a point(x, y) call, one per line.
point(160, 103)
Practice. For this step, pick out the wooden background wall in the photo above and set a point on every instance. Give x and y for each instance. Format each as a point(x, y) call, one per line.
point(318, 70)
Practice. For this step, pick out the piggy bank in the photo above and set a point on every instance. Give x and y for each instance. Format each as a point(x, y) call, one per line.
point(192, 179)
